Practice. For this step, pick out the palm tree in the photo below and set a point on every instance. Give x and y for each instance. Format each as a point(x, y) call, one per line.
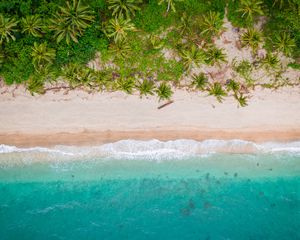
point(124, 8)
point(271, 61)
point(283, 42)
point(212, 23)
point(126, 84)
point(252, 38)
point(232, 85)
point(215, 55)
point(250, 8)
point(42, 56)
point(120, 49)
point(164, 91)
point(118, 28)
point(217, 90)
point(7, 29)
point(146, 87)
point(32, 25)
point(185, 27)
point(35, 84)
point(281, 3)
point(191, 57)
point(200, 81)
point(242, 100)
point(71, 21)
point(171, 4)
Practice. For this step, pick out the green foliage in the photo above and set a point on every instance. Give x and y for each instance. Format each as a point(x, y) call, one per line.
point(152, 18)
point(271, 61)
point(7, 29)
point(126, 85)
point(164, 92)
point(294, 66)
point(217, 90)
point(42, 56)
point(32, 25)
point(170, 4)
point(118, 28)
point(200, 81)
point(215, 55)
point(120, 49)
point(232, 85)
point(192, 57)
point(283, 42)
point(241, 99)
point(146, 87)
point(250, 8)
point(35, 84)
point(70, 22)
point(124, 8)
point(212, 24)
point(252, 38)
point(244, 69)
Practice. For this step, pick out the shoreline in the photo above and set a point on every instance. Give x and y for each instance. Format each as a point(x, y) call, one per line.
point(83, 119)
point(87, 138)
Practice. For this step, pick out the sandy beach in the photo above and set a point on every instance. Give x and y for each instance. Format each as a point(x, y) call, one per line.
point(79, 118)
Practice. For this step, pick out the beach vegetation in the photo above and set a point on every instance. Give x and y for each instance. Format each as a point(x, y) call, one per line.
point(200, 81)
point(164, 91)
point(148, 47)
point(216, 89)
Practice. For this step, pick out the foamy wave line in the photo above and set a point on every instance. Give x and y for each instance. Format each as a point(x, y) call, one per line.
point(155, 149)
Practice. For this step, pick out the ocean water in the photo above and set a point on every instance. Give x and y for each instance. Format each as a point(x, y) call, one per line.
point(151, 190)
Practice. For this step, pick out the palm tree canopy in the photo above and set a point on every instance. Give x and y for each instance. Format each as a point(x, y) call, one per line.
point(118, 28)
point(250, 8)
point(124, 8)
point(42, 55)
point(7, 29)
point(71, 21)
point(32, 25)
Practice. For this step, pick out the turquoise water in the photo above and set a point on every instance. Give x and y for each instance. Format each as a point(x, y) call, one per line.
point(215, 196)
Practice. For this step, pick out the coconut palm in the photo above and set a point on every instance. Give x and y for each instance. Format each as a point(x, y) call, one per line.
point(71, 21)
point(8, 27)
point(252, 38)
point(215, 55)
point(118, 28)
point(35, 84)
point(212, 23)
point(217, 90)
point(32, 25)
point(120, 49)
point(271, 61)
point(126, 84)
point(191, 57)
point(164, 92)
point(242, 100)
point(250, 8)
point(284, 42)
point(185, 27)
point(232, 85)
point(124, 8)
point(146, 87)
point(42, 56)
point(200, 81)
point(170, 3)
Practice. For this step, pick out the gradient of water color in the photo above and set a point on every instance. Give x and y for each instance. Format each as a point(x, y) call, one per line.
point(151, 190)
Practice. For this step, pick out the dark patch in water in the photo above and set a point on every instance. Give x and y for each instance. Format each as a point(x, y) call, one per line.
point(186, 212)
point(226, 173)
point(207, 176)
point(207, 205)
point(270, 169)
point(273, 205)
point(257, 164)
point(261, 194)
point(218, 182)
point(236, 174)
point(191, 204)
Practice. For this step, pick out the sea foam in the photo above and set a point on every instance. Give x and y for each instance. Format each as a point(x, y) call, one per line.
point(153, 149)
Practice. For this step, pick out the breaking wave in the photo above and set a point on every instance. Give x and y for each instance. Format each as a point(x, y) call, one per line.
point(152, 149)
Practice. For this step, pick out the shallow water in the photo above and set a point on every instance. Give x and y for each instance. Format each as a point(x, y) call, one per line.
point(149, 194)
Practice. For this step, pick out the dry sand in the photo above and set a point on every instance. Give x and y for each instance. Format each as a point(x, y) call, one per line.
point(79, 118)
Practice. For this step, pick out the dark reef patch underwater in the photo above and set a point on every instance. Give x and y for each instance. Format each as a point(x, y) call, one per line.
point(205, 196)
